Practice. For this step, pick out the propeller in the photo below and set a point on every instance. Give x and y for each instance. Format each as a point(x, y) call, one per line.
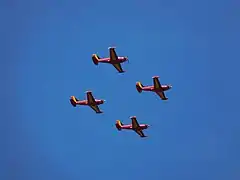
point(127, 59)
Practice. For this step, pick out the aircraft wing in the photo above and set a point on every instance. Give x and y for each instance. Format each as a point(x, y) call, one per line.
point(92, 102)
point(156, 83)
point(90, 98)
point(135, 124)
point(140, 133)
point(113, 54)
point(118, 67)
point(113, 58)
point(96, 108)
point(162, 95)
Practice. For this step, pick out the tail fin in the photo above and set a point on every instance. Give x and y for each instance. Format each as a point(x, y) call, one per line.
point(95, 59)
point(73, 101)
point(119, 125)
point(139, 87)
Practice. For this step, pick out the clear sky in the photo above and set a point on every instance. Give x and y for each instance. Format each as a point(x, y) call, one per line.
point(46, 57)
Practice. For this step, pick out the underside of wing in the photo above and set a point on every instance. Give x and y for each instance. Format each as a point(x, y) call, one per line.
point(140, 133)
point(162, 95)
point(95, 108)
point(113, 54)
point(90, 98)
point(135, 124)
point(118, 67)
point(156, 83)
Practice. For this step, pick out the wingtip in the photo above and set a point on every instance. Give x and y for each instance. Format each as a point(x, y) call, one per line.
point(155, 77)
point(112, 47)
point(131, 117)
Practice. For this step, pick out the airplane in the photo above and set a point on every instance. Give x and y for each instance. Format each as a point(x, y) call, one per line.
point(138, 128)
point(90, 101)
point(156, 87)
point(114, 59)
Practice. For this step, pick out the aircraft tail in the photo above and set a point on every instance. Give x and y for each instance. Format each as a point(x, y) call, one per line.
point(139, 87)
point(95, 59)
point(73, 101)
point(119, 125)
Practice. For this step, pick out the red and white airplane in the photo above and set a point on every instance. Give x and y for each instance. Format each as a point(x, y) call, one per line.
point(114, 59)
point(156, 87)
point(90, 101)
point(138, 128)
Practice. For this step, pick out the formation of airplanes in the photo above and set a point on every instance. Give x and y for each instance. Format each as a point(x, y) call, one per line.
point(94, 103)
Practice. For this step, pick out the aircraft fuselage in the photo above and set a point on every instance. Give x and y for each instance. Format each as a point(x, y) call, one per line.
point(151, 88)
point(107, 60)
point(141, 126)
point(85, 102)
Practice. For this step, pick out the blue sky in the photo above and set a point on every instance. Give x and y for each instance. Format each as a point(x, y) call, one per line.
point(46, 58)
